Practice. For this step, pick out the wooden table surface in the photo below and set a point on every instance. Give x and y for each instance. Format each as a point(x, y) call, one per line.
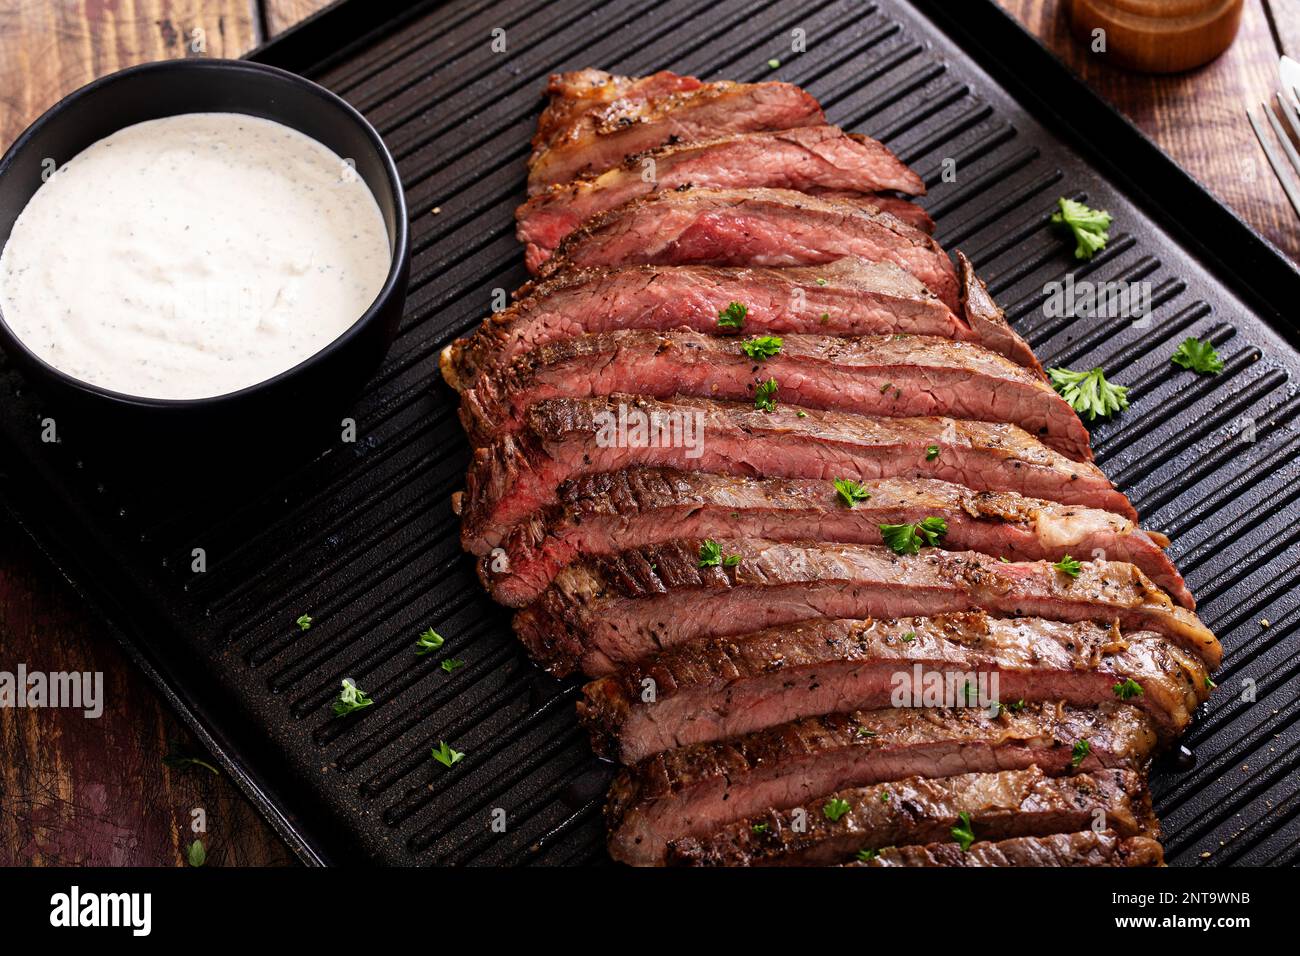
point(79, 791)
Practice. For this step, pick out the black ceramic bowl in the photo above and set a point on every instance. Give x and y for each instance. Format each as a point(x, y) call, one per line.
point(318, 385)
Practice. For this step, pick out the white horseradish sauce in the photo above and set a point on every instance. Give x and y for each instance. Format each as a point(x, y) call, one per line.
point(193, 256)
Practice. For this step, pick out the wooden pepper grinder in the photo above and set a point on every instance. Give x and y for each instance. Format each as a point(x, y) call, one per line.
point(1158, 36)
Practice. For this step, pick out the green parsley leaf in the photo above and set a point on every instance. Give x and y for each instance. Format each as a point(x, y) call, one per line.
point(351, 698)
point(733, 316)
point(1088, 225)
point(1209, 684)
point(867, 855)
point(850, 491)
point(964, 833)
point(761, 347)
point(430, 640)
point(909, 637)
point(801, 414)
point(196, 854)
point(759, 828)
point(1017, 707)
point(884, 797)
point(821, 282)
point(1127, 689)
point(773, 63)
point(910, 538)
point(445, 755)
point(1067, 565)
point(451, 663)
point(835, 809)
point(1198, 356)
point(931, 452)
point(864, 732)
point(303, 622)
point(1080, 752)
point(711, 556)
point(765, 396)
point(1088, 393)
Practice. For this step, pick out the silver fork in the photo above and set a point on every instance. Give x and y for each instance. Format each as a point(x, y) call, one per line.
point(1284, 176)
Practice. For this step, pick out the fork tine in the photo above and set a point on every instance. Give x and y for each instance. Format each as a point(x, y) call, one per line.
point(1292, 120)
point(1274, 160)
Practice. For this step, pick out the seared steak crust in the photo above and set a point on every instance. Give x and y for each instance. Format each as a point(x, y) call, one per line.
point(572, 94)
point(812, 159)
point(518, 474)
point(989, 321)
point(847, 297)
point(884, 375)
point(721, 687)
point(1061, 849)
point(755, 227)
point(602, 613)
point(696, 790)
point(610, 512)
point(917, 810)
point(580, 141)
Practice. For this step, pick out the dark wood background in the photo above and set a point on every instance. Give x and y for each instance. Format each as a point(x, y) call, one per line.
point(78, 791)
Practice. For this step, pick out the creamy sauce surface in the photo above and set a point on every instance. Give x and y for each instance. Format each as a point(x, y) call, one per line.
point(193, 256)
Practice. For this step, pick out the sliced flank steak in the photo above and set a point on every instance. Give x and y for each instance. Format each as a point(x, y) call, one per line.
point(695, 791)
point(567, 438)
point(1086, 848)
point(753, 227)
point(605, 612)
point(613, 511)
point(583, 141)
point(919, 810)
point(847, 297)
point(719, 687)
point(572, 94)
point(894, 376)
point(811, 159)
point(722, 687)
point(988, 320)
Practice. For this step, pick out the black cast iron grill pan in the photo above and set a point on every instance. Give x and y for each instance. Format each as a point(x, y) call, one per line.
point(361, 536)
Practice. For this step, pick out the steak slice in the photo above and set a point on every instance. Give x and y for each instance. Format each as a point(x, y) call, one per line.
point(1060, 849)
point(613, 511)
point(602, 613)
point(893, 376)
point(572, 94)
point(848, 297)
point(1013, 803)
point(566, 438)
point(695, 791)
point(808, 159)
point(576, 142)
point(723, 687)
point(988, 320)
point(752, 227)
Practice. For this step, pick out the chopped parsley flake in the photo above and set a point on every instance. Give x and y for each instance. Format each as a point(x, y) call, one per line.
point(910, 538)
point(850, 491)
point(835, 809)
point(1198, 356)
point(430, 640)
point(761, 347)
point(733, 316)
point(1067, 565)
point(1088, 393)
point(1089, 226)
point(964, 833)
point(351, 698)
point(1127, 689)
point(445, 755)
